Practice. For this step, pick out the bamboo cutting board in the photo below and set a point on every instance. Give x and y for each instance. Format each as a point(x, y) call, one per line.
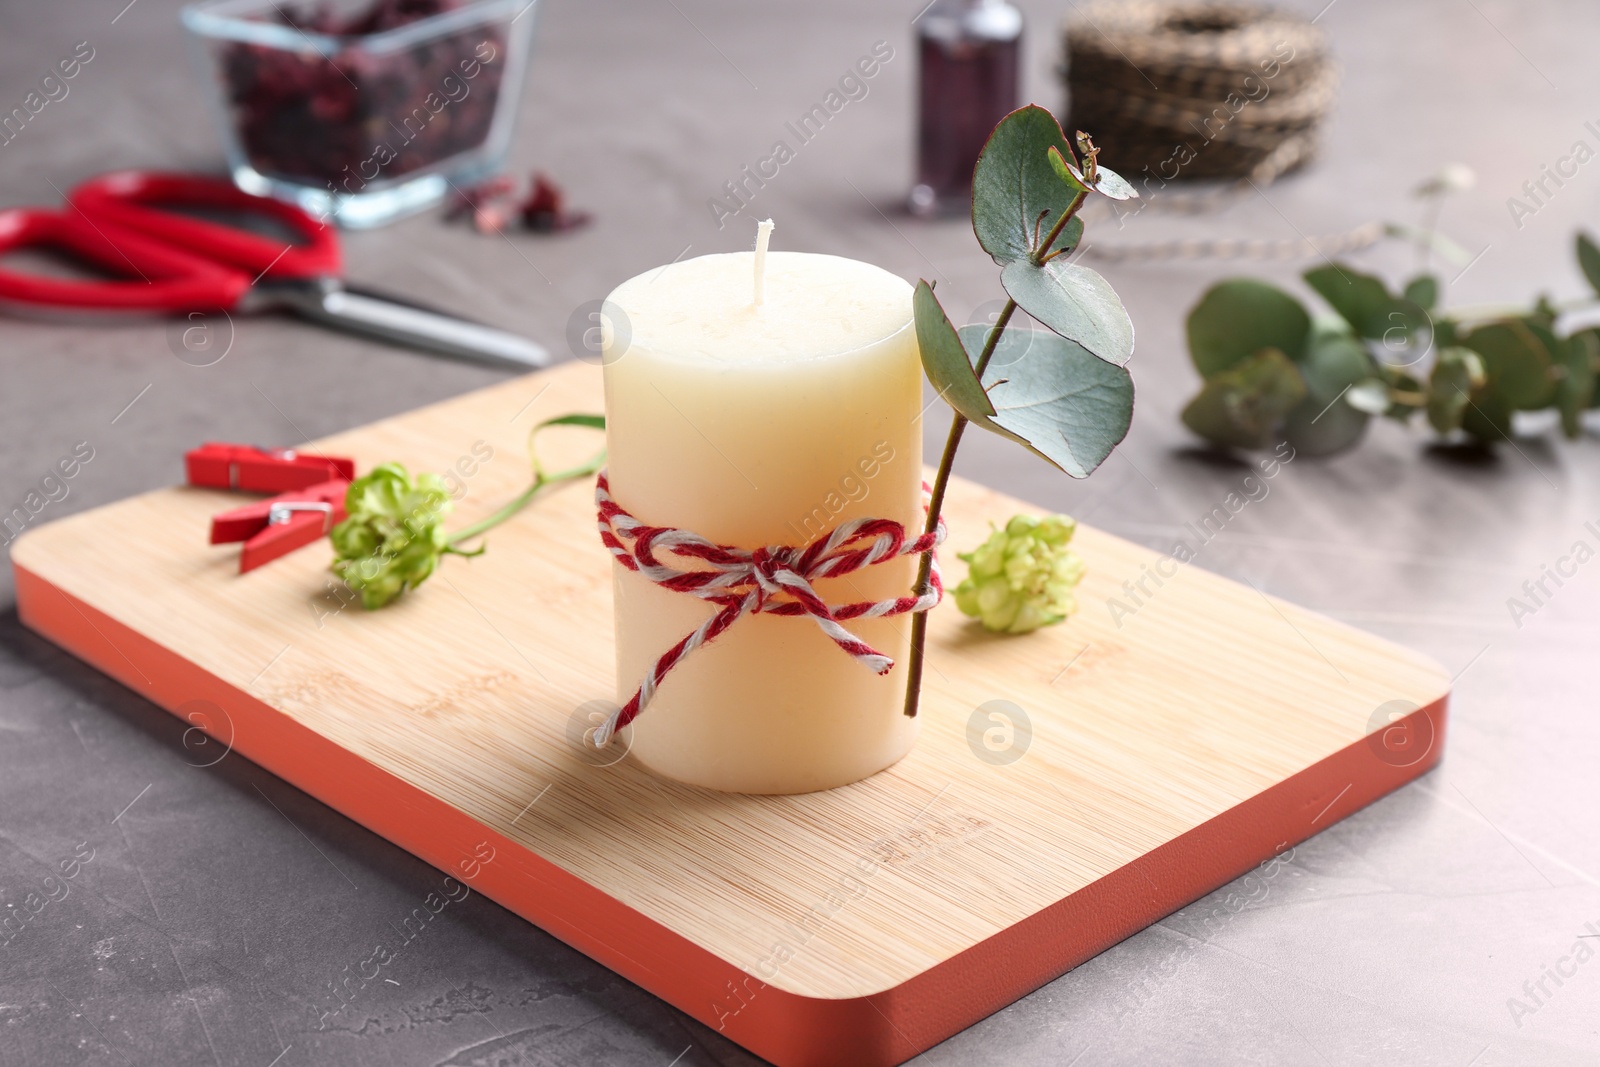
point(1069, 787)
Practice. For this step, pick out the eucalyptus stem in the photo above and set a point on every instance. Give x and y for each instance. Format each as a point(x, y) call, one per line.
point(1485, 312)
point(941, 480)
point(1042, 253)
point(1429, 228)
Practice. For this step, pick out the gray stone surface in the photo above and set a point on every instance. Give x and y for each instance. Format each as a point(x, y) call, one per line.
point(220, 904)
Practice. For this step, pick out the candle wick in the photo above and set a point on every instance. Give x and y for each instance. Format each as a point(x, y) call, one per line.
point(763, 235)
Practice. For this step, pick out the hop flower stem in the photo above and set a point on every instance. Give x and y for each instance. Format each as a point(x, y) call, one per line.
point(540, 480)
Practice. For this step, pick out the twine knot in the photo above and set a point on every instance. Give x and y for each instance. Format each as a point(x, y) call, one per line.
point(770, 567)
point(772, 580)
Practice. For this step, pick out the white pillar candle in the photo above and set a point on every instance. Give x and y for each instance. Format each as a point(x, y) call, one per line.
point(759, 410)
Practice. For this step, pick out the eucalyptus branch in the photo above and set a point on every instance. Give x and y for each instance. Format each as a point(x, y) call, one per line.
point(1027, 173)
point(1274, 373)
point(941, 480)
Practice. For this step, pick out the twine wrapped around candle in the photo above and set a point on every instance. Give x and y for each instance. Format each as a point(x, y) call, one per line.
point(775, 580)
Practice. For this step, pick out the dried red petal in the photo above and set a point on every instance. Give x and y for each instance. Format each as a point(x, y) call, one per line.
point(545, 210)
point(466, 201)
point(490, 218)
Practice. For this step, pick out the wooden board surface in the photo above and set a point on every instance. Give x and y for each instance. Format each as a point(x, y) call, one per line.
point(1208, 731)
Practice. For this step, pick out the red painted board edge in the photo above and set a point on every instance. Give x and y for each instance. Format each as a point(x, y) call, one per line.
point(790, 1030)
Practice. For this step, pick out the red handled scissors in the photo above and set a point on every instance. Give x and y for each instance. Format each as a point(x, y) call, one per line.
point(168, 262)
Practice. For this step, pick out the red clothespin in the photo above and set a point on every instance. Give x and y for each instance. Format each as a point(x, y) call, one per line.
point(218, 465)
point(276, 527)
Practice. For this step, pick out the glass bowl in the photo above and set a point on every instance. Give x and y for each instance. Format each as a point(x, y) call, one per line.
point(355, 119)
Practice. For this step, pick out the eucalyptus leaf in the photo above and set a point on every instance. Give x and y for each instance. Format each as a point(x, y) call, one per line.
point(1589, 260)
point(1592, 345)
point(1239, 317)
point(1543, 315)
point(1544, 332)
point(1488, 418)
point(1107, 182)
point(1456, 373)
point(1325, 422)
point(1054, 396)
point(1245, 405)
point(1370, 395)
point(1407, 323)
point(1518, 363)
point(1075, 302)
point(1066, 171)
point(944, 359)
point(1445, 334)
point(1360, 299)
point(1423, 291)
point(1558, 349)
point(1576, 390)
point(1365, 302)
point(1016, 194)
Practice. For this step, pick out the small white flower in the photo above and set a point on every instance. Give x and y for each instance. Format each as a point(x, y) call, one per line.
point(1450, 178)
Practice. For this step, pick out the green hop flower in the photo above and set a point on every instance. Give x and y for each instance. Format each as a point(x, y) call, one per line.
point(394, 535)
point(1022, 577)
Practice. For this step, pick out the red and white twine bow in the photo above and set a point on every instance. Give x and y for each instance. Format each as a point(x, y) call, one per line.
point(775, 580)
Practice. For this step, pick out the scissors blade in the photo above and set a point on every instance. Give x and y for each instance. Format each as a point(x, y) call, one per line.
point(387, 318)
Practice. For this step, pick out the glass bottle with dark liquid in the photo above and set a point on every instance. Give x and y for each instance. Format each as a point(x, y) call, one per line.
point(969, 54)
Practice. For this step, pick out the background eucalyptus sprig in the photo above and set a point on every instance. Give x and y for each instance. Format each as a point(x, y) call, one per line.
point(1275, 371)
point(1062, 392)
point(394, 536)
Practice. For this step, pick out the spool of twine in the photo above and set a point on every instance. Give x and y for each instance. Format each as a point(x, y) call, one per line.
point(1195, 89)
point(1244, 88)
